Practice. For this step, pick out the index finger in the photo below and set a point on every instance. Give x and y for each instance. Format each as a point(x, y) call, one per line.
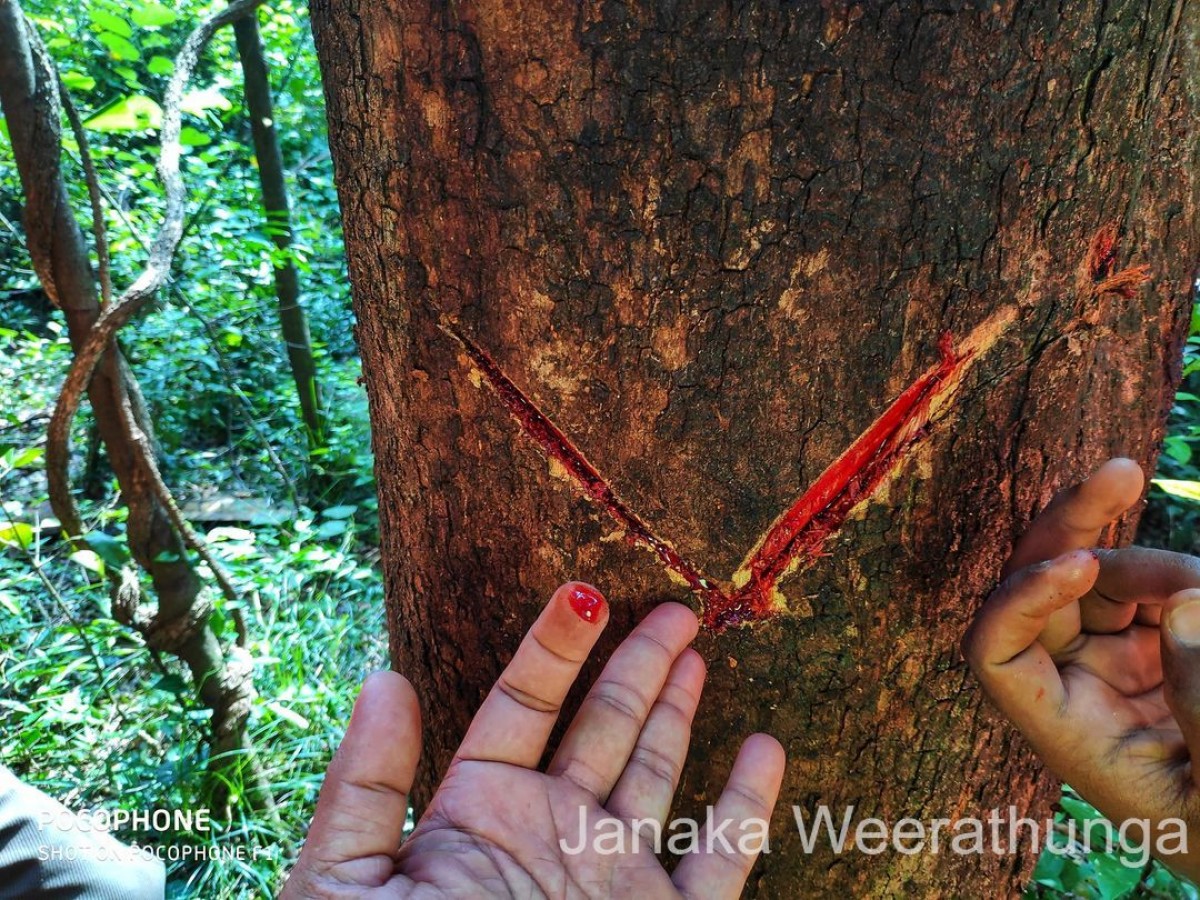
point(1075, 518)
point(1142, 575)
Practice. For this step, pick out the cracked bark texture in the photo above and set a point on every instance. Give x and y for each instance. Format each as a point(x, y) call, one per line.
point(712, 241)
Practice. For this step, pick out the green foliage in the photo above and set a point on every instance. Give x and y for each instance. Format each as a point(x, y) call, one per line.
point(86, 711)
point(1084, 859)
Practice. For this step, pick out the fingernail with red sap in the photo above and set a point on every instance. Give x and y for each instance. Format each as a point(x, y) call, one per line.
point(587, 603)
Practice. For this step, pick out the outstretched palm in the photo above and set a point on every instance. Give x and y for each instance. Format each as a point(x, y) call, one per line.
point(499, 827)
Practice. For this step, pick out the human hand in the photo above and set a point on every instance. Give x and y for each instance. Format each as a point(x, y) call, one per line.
point(499, 827)
point(1095, 656)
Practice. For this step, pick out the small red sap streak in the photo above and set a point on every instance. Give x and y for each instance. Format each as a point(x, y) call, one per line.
point(1102, 257)
point(538, 428)
point(797, 537)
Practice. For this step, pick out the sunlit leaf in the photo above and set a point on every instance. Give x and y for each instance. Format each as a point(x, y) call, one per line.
point(23, 458)
point(90, 560)
point(160, 65)
point(1188, 490)
point(111, 22)
point(16, 534)
point(200, 101)
point(191, 137)
point(284, 713)
point(77, 81)
point(46, 24)
point(136, 112)
point(119, 47)
point(230, 533)
point(152, 15)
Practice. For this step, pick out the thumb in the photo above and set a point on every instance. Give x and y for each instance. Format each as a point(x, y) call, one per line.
point(356, 830)
point(1180, 642)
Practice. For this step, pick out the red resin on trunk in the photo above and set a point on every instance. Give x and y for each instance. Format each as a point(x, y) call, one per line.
point(556, 446)
point(797, 537)
point(587, 603)
point(1102, 256)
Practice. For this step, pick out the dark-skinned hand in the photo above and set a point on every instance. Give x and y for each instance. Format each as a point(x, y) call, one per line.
point(1095, 657)
point(495, 825)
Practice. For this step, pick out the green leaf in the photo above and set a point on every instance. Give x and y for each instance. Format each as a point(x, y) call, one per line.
point(118, 47)
point(152, 15)
point(1114, 878)
point(23, 458)
point(1178, 449)
point(111, 22)
point(1079, 810)
point(1048, 870)
point(77, 81)
point(137, 112)
point(1188, 490)
point(160, 65)
point(332, 528)
point(340, 512)
point(172, 683)
point(108, 548)
point(16, 705)
point(16, 534)
point(7, 601)
point(90, 560)
point(191, 137)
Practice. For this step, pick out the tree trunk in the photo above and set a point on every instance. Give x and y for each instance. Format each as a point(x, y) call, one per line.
point(708, 245)
point(60, 258)
point(292, 323)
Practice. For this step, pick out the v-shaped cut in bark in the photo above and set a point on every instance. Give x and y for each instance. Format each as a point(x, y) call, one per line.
point(796, 539)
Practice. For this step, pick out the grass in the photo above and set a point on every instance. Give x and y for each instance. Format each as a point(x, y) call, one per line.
point(91, 716)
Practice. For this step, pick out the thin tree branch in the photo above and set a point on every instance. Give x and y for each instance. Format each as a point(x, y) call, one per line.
point(186, 532)
point(244, 404)
point(92, 180)
point(136, 433)
point(158, 266)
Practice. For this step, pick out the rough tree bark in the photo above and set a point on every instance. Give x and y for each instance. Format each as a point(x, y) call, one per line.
point(712, 242)
point(292, 322)
point(28, 97)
